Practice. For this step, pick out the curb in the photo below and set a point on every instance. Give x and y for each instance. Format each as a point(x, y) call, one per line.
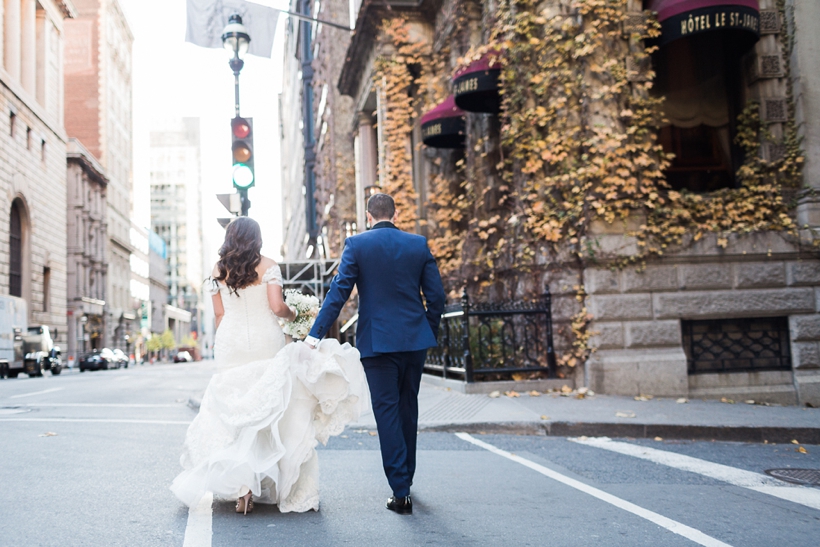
point(745, 434)
point(753, 434)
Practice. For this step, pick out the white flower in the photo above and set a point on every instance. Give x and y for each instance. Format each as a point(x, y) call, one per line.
point(307, 308)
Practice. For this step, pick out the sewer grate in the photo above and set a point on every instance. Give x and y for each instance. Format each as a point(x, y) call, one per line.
point(808, 477)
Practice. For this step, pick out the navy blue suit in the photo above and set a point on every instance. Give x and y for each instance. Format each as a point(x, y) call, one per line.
point(391, 269)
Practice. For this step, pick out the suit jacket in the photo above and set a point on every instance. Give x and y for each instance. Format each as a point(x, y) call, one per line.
point(390, 268)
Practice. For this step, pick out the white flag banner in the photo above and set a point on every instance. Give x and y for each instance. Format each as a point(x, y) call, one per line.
point(207, 19)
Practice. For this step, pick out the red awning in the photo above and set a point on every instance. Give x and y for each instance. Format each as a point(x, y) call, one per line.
point(475, 86)
point(683, 18)
point(444, 126)
point(447, 109)
point(489, 61)
point(670, 8)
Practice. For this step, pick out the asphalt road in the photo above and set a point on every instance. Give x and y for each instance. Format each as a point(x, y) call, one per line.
point(87, 460)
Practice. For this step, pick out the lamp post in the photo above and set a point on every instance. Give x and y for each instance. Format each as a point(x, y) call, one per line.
point(235, 40)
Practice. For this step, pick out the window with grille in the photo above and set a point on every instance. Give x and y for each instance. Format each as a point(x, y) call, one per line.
point(16, 251)
point(737, 345)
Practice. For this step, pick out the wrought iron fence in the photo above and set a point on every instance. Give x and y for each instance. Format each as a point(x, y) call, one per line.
point(476, 341)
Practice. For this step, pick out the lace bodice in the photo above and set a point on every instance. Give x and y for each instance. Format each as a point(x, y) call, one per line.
point(249, 329)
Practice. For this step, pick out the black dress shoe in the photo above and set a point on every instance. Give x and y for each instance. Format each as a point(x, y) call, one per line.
point(402, 506)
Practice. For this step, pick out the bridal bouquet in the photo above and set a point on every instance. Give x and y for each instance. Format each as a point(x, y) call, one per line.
point(307, 308)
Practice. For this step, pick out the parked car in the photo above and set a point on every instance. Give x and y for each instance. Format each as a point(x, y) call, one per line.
point(93, 361)
point(183, 357)
point(121, 357)
point(109, 355)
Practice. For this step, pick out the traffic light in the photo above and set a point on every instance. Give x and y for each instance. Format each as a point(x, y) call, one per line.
point(242, 151)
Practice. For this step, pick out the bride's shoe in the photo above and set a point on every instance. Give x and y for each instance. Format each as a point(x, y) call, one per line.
point(244, 504)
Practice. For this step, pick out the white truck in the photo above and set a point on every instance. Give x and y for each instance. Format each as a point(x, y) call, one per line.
point(22, 348)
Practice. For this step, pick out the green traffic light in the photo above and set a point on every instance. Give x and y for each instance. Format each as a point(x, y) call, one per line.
point(242, 176)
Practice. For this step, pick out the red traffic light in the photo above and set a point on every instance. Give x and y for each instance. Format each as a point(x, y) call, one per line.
point(240, 128)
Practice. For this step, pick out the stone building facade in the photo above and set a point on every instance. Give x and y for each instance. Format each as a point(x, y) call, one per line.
point(32, 159)
point(176, 214)
point(87, 243)
point(99, 114)
point(728, 314)
point(317, 151)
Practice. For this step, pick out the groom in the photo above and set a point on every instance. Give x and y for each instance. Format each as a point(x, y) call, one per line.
point(391, 269)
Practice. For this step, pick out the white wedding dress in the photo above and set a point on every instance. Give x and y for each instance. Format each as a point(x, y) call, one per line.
point(264, 413)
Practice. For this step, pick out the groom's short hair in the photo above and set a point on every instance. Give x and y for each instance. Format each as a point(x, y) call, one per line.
point(381, 206)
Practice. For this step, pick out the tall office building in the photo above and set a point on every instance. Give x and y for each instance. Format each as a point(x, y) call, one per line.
point(176, 211)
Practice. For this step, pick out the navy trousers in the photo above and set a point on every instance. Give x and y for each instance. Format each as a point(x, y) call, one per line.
point(394, 380)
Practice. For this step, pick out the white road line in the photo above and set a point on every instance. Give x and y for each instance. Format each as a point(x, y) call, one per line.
point(199, 530)
point(810, 497)
point(108, 405)
point(97, 420)
point(672, 525)
point(52, 390)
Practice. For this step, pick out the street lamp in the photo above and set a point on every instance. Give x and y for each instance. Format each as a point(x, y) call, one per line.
point(235, 40)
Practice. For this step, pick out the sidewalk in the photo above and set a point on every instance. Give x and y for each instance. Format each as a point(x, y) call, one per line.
point(441, 409)
point(573, 415)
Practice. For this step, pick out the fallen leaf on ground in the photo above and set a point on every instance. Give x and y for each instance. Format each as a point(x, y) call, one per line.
point(580, 396)
point(566, 389)
point(583, 390)
point(794, 441)
point(802, 450)
point(658, 438)
point(749, 401)
point(545, 417)
point(372, 433)
point(495, 394)
point(682, 400)
point(518, 377)
point(644, 397)
point(728, 401)
point(620, 414)
point(49, 434)
point(512, 394)
point(534, 393)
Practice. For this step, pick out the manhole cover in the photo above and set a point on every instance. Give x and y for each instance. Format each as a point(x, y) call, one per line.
point(809, 477)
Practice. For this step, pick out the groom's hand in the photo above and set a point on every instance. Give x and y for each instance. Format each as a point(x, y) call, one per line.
point(312, 341)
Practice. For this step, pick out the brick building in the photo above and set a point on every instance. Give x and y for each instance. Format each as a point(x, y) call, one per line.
point(32, 159)
point(99, 115)
point(732, 314)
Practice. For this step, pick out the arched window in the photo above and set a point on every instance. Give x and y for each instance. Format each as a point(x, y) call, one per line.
point(16, 250)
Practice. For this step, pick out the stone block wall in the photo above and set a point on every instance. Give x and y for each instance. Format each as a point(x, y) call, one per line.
point(637, 322)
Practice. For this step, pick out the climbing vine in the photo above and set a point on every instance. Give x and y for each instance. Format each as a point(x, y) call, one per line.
point(578, 150)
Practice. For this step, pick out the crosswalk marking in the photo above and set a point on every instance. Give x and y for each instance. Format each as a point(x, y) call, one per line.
point(672, 525)
point(98, 421)
point(43, 392)
point(199, 530)
point(757, 482)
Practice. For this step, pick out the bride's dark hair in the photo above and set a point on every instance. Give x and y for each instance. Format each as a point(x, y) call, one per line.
point(240, 254)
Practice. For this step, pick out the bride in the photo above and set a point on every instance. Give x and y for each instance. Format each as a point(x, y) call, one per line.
point(263, 414)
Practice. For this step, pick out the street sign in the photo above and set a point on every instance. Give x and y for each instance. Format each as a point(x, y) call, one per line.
point(231, 202)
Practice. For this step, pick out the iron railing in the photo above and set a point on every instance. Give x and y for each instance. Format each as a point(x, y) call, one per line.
point(737, 345)
point(482, 340)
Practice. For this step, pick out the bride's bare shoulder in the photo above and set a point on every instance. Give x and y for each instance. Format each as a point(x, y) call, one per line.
point(266, 263)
